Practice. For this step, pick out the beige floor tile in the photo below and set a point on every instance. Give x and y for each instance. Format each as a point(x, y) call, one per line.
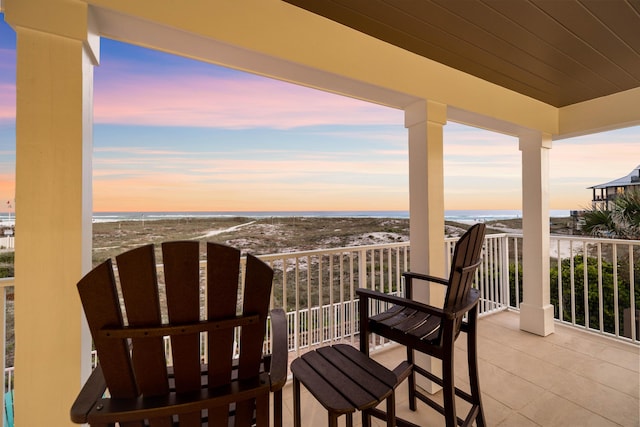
point(609, 403)
point(495, 412)
point(552, 410)
point(613, 376)
point(516, 420)
point(628, 357)
point(566, 358)
point(506, 387)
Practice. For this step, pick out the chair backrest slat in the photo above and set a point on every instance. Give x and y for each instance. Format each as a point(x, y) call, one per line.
point(137, 272)
point(182, 285)
point(223, 270)
point(257, 292)
point(466, 253)
point(258, 281)
point(99, 297)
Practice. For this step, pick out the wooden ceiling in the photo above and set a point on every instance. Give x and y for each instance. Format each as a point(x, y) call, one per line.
point(560, 52)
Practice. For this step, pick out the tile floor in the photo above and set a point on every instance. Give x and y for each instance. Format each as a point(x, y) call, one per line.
point(570, 378)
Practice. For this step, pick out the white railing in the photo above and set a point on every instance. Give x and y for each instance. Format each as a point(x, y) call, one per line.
point(600, 295)
point(317, 289)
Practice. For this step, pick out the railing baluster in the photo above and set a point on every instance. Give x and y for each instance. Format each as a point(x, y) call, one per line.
point(616, 307)
point(600, 296)
point(585, 282)
point(296, 320)
point(573, 287)
point(560, 290)
point(632, 299)
point(517, 272)
point(352, 295)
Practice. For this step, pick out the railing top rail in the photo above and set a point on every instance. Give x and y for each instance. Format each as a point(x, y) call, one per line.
point(493, 236)
point(597, 240)
point(334, 250)
point(6, 282)
point(583, 239)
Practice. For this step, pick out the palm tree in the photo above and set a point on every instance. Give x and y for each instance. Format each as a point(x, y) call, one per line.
point(622, 221)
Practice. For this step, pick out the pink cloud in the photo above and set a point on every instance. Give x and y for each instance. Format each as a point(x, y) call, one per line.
point(7, 103)
point(227, 103)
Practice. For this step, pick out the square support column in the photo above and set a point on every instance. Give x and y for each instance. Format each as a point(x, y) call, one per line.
point(425, 121)
point(536, 312)
point(54, 120)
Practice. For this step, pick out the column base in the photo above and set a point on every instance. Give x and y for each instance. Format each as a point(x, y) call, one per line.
point(537, 320)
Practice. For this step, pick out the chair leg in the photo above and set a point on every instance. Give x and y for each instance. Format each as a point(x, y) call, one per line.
point(472, 354)
point(448, 391)
point(411, 381)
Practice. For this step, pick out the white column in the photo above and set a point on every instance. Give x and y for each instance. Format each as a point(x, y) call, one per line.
point(425, 121)
point(536, 312)
point(54, 80)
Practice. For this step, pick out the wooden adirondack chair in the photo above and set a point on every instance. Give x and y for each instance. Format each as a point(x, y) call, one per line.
point(143, 388)
point(433, 331)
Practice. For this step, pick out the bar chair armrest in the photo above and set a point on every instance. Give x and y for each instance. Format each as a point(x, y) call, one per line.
point(427, 278)
point(434, 311)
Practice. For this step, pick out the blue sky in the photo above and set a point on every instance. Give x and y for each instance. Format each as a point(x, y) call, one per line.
point(175, 134)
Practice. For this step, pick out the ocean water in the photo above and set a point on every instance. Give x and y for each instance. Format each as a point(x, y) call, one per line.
point(450, 215)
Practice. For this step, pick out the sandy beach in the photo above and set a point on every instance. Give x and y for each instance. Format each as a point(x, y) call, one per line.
point(276, 234)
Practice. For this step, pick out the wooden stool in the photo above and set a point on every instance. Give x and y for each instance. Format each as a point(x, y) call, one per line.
point(343, 379)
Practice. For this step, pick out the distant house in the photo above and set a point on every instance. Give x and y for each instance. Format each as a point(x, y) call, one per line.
point(604, 194)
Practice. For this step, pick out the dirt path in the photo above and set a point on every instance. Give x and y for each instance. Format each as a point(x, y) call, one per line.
point(224, 230)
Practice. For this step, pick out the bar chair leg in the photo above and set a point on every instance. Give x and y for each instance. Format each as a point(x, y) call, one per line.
point(472, 354)
point(411, 381)
point(448, 392)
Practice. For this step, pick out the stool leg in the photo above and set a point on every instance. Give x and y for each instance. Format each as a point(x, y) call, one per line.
point(366, 419)
point(391, 410)
point(297, 422)
point(349, 419)
point(333, 419)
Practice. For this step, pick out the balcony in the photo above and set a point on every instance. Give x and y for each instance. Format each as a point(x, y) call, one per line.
point(570, 378)
point(586, 373)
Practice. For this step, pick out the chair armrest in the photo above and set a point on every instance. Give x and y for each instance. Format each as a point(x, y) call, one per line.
point(434, 311)
point(461, 309)
point(452, 313)
point(280, 351)
point(410, 275)
point(92, 390)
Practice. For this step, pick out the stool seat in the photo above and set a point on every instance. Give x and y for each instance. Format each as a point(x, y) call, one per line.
point(343, 380)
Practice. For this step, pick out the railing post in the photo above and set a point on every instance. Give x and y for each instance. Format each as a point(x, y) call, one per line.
point(362, 268)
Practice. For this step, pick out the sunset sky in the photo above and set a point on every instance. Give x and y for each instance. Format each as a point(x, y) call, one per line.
point(172, 134)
